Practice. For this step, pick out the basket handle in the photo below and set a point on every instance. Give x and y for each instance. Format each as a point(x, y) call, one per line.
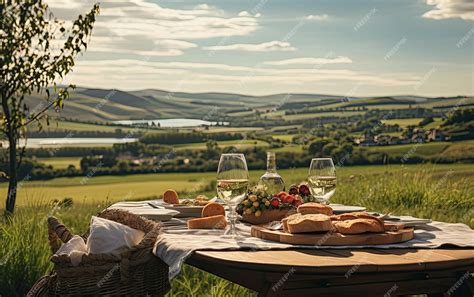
point(57, 234)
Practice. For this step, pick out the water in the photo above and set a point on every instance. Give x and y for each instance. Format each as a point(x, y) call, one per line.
point(69, 141)
point(170, 123)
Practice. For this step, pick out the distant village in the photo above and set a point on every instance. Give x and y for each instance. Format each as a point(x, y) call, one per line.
point(415, 136)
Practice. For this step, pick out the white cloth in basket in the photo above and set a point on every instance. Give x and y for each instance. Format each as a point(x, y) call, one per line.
point(74, 248)
point(109, 237)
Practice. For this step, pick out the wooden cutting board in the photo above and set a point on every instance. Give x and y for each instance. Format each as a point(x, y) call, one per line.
point(333, 238)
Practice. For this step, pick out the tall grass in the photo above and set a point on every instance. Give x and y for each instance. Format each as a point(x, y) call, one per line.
point(441, 195)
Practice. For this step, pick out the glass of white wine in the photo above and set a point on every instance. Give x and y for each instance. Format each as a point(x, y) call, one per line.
point(322, 179)
point(232, 184)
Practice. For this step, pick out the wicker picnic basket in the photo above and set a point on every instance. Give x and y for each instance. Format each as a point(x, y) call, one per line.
point(135, 273)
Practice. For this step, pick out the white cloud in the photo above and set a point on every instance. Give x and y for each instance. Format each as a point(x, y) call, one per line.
point(321, 17)
point(244, 14)
point(311, 61)
point(140, 46)
point(252, 47)
point(446, 9)
point(144, 28)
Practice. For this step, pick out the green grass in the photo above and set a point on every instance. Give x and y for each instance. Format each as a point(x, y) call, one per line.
point(430, 148)
point(403, 123)
point(304, 116)
point(435, 124)
point(440, 192)
point(284, 137)
point(61, 162)
point(97, 189)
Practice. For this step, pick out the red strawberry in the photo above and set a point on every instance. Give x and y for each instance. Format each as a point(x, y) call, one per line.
point(282, 194)
point(290, 199)
point(275, 202)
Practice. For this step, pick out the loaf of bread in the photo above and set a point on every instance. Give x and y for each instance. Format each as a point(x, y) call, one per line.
point(308, 223)
point(350, 216)
point(170, 196)
point(314, 208)
point(212, 209)
point(214, 222)
point(359, 225)
point(284, 221)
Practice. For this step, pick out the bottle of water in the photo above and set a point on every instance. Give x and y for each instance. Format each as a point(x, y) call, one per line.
point(271, 179)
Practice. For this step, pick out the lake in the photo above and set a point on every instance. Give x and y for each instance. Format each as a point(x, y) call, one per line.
point(69, 141)
point(170, 123)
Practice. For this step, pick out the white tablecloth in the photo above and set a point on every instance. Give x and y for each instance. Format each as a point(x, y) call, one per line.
point(177, 243)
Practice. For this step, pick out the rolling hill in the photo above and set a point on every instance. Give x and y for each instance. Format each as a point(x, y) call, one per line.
point(105, 105)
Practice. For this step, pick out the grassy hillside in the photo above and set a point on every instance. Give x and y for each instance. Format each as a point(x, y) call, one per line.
point(110, 105)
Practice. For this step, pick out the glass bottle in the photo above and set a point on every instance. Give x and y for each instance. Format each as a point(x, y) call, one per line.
point(271, 179)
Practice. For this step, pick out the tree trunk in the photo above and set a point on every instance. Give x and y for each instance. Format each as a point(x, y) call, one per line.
point(13, 174)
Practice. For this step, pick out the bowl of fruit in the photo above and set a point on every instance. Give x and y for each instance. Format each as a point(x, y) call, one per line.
point(261, 207)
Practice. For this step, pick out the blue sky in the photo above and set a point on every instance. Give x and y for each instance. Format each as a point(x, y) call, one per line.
point(352, 48)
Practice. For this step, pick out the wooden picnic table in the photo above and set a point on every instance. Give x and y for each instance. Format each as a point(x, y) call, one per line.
point(344, 272)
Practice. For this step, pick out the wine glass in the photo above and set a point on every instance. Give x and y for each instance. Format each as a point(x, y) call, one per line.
point(232, 184)
point(322, 179)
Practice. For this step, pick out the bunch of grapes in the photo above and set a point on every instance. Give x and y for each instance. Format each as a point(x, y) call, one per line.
point(258, 200)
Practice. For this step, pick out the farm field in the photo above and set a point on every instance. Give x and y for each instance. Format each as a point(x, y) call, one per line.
point(403, 123)
point(130, 187)
point(61, 162)
point(75, 126)
point(284, 137)
point(430, 148)
point(303, 116)
point(288, 148)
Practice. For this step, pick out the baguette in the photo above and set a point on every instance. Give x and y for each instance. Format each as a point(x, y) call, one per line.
point(314, 208)
point(214, 222)
point(309, 223)
point(212, 209)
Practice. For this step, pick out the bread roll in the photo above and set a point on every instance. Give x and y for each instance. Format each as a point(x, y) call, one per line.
point(201, 200)
point(212, 209)
point(170, 196)
point(314, 208)
point(309, 223)
point(358, 226)
point(214, 222)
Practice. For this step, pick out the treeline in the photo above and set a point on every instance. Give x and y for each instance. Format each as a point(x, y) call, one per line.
point(183, 138)
point(166, 160)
